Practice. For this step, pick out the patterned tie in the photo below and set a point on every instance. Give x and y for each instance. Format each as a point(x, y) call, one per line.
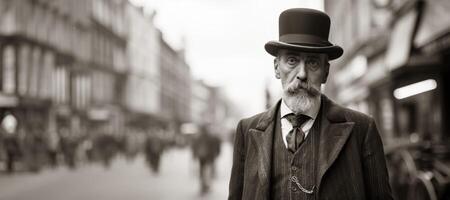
point(296, 136)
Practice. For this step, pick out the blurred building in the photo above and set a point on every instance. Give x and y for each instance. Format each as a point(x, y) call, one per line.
point(61, 63)
point(109, 26)
point(395, 65)
point(200, 102)
point(175, 76)
point(221, 115)
point(83, 68)
point(211, 107)
point(143, 89)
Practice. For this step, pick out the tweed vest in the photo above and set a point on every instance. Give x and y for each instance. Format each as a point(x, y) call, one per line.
point(302, 164)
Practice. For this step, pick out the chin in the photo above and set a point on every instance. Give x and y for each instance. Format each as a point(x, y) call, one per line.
point(300, 102)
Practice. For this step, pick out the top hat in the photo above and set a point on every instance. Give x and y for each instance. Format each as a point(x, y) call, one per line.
point(306, 30)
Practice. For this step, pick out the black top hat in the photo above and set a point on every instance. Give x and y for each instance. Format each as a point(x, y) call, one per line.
point(303, 29)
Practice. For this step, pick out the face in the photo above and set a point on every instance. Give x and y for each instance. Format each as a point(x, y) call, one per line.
point(301, 76)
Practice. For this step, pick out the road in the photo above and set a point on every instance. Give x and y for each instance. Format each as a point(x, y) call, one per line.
point(177, 180)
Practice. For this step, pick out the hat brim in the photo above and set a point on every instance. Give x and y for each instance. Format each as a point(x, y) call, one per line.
point(333, 51)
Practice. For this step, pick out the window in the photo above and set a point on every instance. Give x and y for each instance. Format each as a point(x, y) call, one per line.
point(62, 84)
point(9, 70)
point(24, 58)
point(47, 75)
point(35, 70)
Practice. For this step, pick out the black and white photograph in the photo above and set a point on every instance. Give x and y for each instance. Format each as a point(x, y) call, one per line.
point(224, 99)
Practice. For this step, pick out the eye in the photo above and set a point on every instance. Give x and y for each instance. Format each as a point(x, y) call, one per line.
point(312, 63)
point(291, 60)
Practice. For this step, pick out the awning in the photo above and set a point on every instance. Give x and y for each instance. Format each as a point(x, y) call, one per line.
point(8, 101)
point(434, 23)
point(400, 43)
point(99, 114)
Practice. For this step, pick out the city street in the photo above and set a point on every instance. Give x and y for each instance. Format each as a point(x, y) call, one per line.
point(176, 180)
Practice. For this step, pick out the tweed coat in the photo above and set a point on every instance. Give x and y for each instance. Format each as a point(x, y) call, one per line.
point(351, 162)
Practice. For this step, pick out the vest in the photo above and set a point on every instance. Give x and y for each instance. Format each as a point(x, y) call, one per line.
point(302, 164)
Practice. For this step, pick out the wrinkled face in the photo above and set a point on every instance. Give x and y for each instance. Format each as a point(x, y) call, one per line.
point(301, 76)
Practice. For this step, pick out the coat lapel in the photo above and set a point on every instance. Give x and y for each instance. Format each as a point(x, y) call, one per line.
point(262, 139)
point(335, 130)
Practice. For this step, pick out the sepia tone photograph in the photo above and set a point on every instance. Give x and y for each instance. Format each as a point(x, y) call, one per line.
point(224, 99)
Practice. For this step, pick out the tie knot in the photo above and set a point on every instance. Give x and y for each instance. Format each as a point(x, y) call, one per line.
point(297, 120)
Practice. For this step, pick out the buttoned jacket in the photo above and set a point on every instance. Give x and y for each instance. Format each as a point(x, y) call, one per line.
point(351, 161)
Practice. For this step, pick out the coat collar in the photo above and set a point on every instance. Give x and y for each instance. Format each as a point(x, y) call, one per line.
point(335, 130)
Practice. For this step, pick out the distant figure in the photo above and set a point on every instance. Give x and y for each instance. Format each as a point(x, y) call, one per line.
point(206, 148)
point(12, 150)
point(53, 147)
point(154, 147)
point(107, 148)
point(69, 146)
point(9, 139)
point(36, 149)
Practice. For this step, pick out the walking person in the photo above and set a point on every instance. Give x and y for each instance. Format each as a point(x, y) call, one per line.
point(53, 147)
point(154, 147)
point(12, 151)
point(205, 148)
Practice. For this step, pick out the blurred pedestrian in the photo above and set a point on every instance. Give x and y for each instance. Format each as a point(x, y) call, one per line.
point(307, 146)
point(69, 146)
point(154, 147)
point(107, 147)
point(12, 149)
point(216, 144)
point(9, 139)
point(205, 148)
point(53, 147)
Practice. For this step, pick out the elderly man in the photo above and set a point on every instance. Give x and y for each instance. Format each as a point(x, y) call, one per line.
point(306, 146)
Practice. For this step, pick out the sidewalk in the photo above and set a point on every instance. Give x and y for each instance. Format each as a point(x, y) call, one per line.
point(124, 180)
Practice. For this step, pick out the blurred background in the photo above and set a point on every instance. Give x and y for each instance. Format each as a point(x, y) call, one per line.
point(139, 99)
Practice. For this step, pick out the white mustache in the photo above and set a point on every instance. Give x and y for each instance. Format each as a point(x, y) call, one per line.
point(297, 86)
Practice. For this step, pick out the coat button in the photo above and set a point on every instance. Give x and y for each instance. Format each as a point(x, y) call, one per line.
point(293, 188)
point(294, 168)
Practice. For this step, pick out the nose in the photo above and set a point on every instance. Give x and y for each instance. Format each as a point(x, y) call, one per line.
point(301, 73)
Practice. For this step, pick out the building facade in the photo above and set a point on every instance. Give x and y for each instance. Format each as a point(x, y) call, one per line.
point(61, 66)
point(396, 69)
point(109, 65)
point(201, 93)
point(175, 86)
point(142, 97)
point(390, 45)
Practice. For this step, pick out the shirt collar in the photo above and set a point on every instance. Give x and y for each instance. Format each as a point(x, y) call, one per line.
point(312, 113)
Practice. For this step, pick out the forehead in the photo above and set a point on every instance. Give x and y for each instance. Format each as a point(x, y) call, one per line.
point(285, 52)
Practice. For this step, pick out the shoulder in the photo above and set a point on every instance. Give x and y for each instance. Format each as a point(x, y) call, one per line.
point(261, 120)
point(363, 124)
point(356, 116)
point(250, 122)
point(338, 113)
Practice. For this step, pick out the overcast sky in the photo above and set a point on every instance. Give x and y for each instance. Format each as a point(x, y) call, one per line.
point(225, 42)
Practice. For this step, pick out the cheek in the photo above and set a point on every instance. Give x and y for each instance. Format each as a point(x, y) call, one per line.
point(316, 78)
point(287, 75)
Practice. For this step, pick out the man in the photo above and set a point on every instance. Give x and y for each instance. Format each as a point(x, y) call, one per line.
point(206, 148)
point(306, 146)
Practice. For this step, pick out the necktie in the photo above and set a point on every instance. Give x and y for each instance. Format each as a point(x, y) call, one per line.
point(296, 136)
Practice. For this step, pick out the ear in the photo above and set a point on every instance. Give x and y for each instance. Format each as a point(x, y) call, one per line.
point(276, 68)
point(326, 71)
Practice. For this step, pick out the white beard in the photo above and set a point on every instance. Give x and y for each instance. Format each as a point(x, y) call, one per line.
point(300, 102)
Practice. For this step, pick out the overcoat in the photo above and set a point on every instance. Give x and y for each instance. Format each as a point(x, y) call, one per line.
point(351, 162)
